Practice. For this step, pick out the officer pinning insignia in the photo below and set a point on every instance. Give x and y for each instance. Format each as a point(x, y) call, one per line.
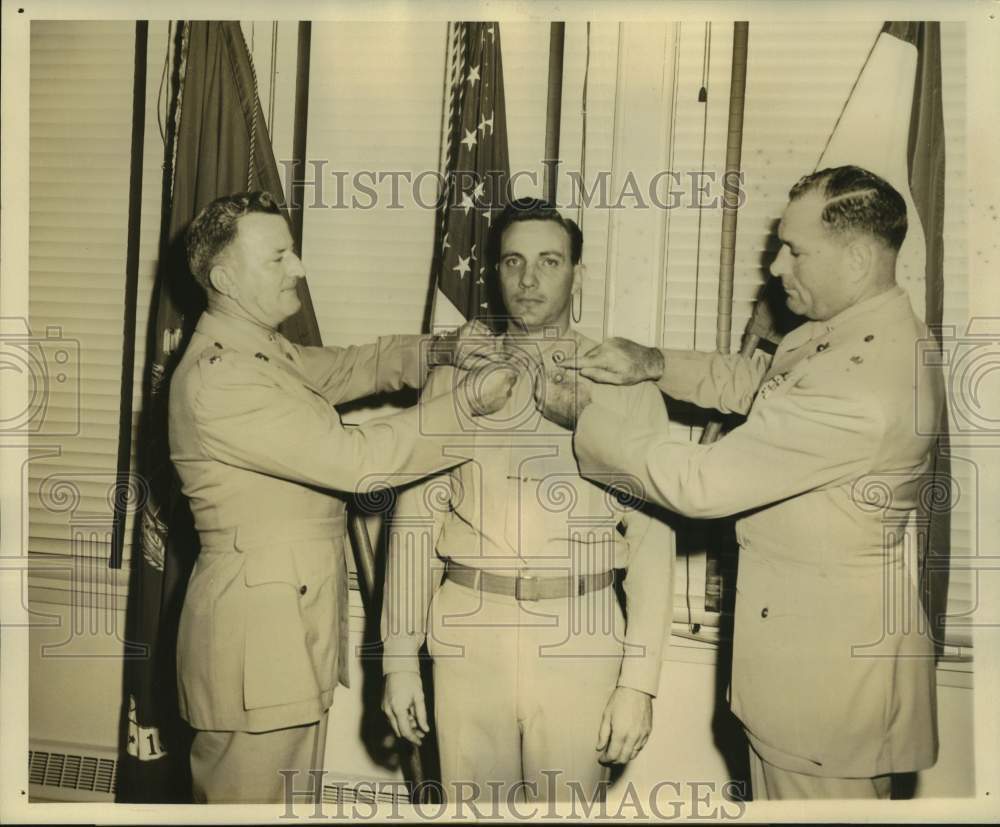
point(261, 356)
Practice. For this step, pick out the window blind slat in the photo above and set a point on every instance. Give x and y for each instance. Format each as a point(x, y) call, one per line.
point(81, 112)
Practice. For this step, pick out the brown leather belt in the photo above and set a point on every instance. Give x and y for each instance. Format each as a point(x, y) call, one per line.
point(527, 588)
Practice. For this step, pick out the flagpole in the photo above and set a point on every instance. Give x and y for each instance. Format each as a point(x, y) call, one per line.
point(296, 207)
point(727, 250)
point(553, 110)
point(122, 487)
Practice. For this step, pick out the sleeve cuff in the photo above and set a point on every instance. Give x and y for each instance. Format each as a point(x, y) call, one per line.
point(641, 673)
point(683, 372)
point(400, 655)
point(413, 358)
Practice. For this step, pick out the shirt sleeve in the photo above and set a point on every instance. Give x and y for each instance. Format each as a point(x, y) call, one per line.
point(412, 575)
point(810, 436)
point(724, 382)
point(246, 419)
point(344, 374)
point(649, 577)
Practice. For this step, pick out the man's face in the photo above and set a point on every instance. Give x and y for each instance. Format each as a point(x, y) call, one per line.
point(811, 260)
point(537, 276)
point(264, 268)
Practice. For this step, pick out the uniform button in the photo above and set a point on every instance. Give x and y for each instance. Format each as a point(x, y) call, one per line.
point(763, 612)
point(303, 589)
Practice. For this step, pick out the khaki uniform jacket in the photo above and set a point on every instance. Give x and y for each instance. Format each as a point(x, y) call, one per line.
point(833, 669)
point(258, 445)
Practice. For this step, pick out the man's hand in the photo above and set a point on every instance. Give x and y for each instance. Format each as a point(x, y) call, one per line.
point(625, 725)
point(561, 396)
point(403, 704)
point(487, 389)
point(619, 362)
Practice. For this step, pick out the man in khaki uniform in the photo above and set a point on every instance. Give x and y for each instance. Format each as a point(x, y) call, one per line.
point(833, 669)
point(260, 450)
point(540, 682)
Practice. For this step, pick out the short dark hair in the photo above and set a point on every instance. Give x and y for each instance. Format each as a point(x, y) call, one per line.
point(214, 229)
point(531, 209)
point(857, 201)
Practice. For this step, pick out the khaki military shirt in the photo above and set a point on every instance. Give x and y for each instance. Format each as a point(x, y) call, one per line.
point(518, 506)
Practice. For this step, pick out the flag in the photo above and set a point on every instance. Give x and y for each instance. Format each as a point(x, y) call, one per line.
point(476, 171)
point(220, 145)
point(893, 125)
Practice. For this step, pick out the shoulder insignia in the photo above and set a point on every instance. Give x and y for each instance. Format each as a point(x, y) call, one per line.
point(261, 356)
point(771, 384)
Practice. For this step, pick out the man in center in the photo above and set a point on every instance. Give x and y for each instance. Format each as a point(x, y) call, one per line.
point(542, 679)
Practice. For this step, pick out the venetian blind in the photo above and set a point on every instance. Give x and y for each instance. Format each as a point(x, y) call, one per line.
point(77, 279)
point(80, 119)
point(372, 111)
point(962, 588)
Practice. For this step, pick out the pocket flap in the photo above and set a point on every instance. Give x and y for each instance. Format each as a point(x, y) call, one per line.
point(274, 565)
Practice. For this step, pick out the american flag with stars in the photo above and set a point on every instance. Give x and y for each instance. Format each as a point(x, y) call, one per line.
point(476, 170)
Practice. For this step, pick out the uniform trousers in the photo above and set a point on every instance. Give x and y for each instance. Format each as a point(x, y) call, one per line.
point(770, 782)
point(519, 689)
point(243, 767)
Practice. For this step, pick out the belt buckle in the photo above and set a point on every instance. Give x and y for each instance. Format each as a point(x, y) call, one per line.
point(519, 588)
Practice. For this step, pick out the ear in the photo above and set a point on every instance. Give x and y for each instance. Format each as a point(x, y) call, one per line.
point(860, 258)
point(579, 273)
point(221, 279)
